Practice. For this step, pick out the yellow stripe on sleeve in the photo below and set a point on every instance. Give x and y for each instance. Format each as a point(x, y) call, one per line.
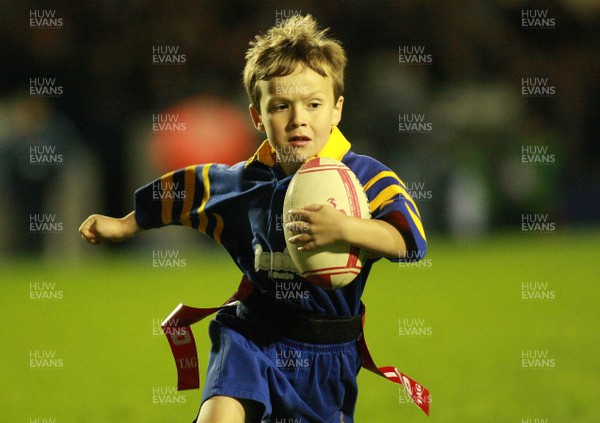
point(167, 200)
point(206, 182)
point(410, 200)
point(188, 201)
point(379, 176)
point(400, 190)
point(383, 196)
point(417, 222)
point(414, 217)
point(218, 228)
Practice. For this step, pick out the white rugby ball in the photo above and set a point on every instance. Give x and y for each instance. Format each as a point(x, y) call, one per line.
point(322, 180)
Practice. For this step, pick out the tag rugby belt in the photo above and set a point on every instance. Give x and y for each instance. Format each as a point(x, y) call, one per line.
point(285, 322)
point(298, 325)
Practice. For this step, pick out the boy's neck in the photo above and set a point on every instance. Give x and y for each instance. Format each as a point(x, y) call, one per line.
point(290, 168)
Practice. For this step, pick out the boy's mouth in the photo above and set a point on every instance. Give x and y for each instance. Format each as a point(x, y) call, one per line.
point(299, 140)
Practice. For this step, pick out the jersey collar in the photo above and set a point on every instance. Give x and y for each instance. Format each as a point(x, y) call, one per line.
point(336, 148)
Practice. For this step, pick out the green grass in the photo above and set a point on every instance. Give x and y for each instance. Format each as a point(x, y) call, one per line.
point(469, 297)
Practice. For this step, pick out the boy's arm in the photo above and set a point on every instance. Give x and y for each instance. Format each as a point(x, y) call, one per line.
point(317, 225)
point(97, 228)
point(186, 197)
point(395, 230)
point(176, 198)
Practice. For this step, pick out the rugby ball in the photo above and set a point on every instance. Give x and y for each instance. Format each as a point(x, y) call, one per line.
point(323, 180)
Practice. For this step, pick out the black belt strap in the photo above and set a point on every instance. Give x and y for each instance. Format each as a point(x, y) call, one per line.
point(284, 321)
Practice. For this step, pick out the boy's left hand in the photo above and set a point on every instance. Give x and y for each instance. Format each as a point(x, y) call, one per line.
point(315, 225)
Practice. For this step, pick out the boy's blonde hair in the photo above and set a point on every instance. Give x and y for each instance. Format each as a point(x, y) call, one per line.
point(295, 41)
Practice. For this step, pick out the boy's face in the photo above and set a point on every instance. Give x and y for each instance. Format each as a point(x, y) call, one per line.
point(297, 112)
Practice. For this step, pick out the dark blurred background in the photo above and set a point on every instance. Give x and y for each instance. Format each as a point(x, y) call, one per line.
point(81, 89)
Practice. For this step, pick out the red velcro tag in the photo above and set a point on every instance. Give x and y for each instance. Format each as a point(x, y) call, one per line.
point(418, 393)
point(181, 340)
point(183, 346)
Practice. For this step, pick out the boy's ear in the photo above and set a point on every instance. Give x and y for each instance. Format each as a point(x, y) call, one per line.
point(336, 117)
point(256, 118)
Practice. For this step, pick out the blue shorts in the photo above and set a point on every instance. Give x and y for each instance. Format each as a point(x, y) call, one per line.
point(294, 381)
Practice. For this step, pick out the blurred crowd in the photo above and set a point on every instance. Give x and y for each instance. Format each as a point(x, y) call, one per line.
point(465, 164)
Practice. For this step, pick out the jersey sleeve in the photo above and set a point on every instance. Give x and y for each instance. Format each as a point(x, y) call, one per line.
point(182, 198)
point(389, 200)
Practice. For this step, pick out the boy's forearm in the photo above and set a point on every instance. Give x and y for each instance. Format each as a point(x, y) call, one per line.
point(130, 225)
point(97, 227)
point(316, 225)
point(376, 236)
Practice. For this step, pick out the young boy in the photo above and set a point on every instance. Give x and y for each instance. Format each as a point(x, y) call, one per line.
point(275, 359)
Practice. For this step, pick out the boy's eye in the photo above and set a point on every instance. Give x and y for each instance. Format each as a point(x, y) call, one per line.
point(314, 105)
point(277, 107)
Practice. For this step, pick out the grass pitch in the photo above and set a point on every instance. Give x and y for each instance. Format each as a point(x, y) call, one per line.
point(502, 330)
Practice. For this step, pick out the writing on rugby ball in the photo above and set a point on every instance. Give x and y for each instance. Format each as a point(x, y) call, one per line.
point(322, 180)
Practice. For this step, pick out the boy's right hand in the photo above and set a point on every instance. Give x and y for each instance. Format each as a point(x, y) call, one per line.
point(97, 228)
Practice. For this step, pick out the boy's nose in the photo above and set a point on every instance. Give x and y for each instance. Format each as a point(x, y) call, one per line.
point(298, 118)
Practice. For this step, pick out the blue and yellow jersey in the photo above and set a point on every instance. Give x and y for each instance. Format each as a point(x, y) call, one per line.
point(241, 208)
